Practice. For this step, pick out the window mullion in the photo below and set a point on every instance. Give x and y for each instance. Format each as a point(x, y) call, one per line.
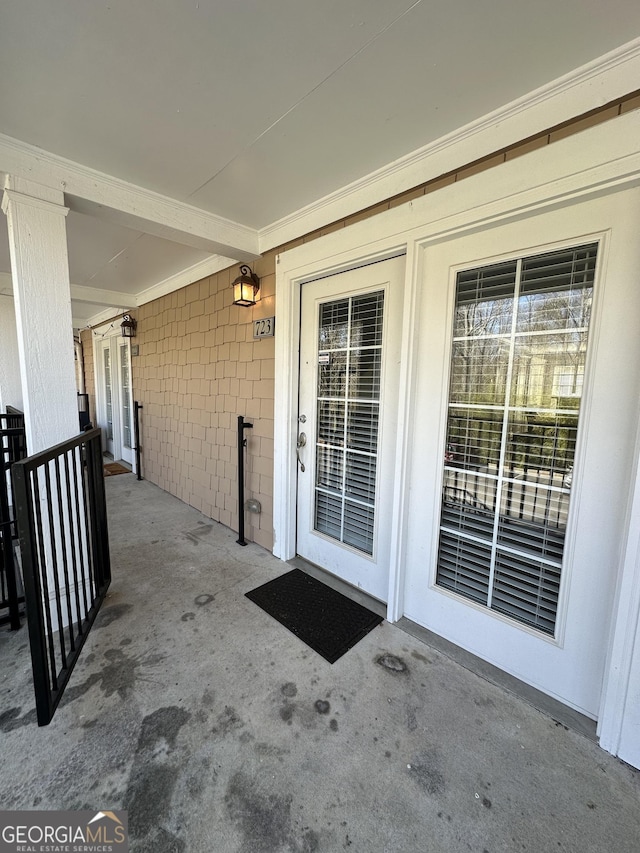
point(505, 433)
point(346, 417)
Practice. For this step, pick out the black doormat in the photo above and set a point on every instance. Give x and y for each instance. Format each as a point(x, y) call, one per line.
point(327, 621)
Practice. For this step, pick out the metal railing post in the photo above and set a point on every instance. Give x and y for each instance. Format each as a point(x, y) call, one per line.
point(136, 426)
point(242, 443)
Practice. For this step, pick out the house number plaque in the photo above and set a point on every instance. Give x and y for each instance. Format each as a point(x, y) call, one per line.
point(264, 328)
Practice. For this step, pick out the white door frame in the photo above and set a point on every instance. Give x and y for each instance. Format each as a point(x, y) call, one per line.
point(595, 162)
point(110, 336)
point(287, 346)
point(370, 571)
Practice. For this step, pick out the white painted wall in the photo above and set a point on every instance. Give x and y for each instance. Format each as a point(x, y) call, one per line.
point(10, 385)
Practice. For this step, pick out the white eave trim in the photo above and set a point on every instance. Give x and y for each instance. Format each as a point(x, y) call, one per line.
point(90, 191)
point(126, 302)
point(79, 293)
point(108, 315)
point(606, 79)
point(209, 266)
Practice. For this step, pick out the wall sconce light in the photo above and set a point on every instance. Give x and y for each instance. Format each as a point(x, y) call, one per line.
point(128, 326)
point(245, 287)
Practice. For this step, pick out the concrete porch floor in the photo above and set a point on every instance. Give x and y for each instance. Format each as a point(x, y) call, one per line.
point(220, 732)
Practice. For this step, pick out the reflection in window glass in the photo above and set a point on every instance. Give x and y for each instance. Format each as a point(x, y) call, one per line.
point(517, 372)
point(106, 355)
point(479, 370)
point(539, 363)
point(126, 395)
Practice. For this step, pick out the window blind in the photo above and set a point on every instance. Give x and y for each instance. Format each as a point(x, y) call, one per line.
point(517, 367)
point(348, 414)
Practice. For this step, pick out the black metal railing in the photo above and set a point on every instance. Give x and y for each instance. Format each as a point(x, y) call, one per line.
point(12, 449)
point(62, 525)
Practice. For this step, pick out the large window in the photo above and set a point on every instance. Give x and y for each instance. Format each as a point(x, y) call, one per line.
point(517, 368)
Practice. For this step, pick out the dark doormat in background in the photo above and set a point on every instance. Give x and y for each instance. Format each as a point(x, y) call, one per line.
point(327, 621)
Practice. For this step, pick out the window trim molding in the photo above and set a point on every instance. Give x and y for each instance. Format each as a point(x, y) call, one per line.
point(600, 237)
point(562, 100)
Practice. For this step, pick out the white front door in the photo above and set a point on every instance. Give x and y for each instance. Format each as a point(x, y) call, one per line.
point(124, 401)
point(114, 398)
point(349, 361)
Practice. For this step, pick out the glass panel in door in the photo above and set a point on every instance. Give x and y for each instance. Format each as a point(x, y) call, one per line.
point(519, 351)
point(348, 403)
point(125, 397)
point(108, 393)
point(125, 405)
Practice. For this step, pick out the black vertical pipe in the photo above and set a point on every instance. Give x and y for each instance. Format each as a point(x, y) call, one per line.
point(6, 543)
point(242, 443)
point(136, 426)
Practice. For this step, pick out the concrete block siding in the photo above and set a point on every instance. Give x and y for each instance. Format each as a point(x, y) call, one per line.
point(199, 367)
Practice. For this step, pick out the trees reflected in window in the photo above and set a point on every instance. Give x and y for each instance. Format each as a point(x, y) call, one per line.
point(517, 372)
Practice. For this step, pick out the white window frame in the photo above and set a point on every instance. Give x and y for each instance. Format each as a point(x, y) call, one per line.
point(440, 424)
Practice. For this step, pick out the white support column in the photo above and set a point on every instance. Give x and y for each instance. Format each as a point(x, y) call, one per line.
point(40, 272)
point(10, 387)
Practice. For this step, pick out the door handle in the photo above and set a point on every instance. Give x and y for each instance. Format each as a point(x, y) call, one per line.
point(301, 442)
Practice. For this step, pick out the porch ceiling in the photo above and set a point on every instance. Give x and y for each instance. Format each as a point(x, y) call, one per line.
point(252, 111)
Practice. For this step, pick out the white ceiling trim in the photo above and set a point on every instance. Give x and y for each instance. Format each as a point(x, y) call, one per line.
point(89, 191)
point(609, 77)
point(79, 324)
point(79, 293)
point(98, 296)
point(579, 170)
point(209, 266)
point(109, 314)
point(124, 301)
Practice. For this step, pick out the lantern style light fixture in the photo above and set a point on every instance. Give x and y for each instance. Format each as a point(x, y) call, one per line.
point(128, 326)
point(245, 287)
